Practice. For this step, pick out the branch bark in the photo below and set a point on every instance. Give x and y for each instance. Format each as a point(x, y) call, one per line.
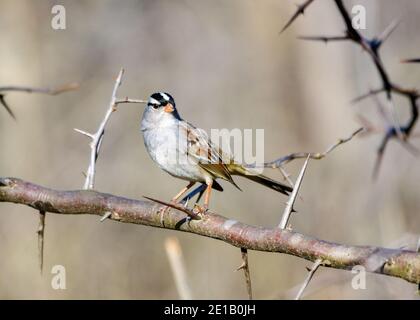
point(404, 264)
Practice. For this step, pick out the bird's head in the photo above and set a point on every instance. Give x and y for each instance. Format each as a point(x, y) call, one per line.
point(160, 109)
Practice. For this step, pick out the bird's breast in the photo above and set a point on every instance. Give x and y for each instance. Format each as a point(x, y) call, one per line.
point(163, 145)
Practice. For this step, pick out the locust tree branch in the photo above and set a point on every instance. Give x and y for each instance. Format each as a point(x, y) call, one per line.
point(372, 47)
point(278, 163)
point(97, 137)
point(292, 198)
point(247, 274)
point(48, 91)
point(400, 263)
point(311, 273)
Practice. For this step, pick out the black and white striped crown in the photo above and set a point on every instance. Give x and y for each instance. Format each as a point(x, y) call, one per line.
point(161, 99)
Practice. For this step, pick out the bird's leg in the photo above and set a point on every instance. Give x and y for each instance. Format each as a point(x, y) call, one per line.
point(200, 195)
point(179, 194)
point(206, 197)
point(199, 190)
point(175, 199)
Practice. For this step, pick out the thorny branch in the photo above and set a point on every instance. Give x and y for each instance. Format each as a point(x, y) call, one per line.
point(245, 266)
point(311, 273)
point(49, 91)
point(372, 47)
point(392, 262)
point(97, 137)
point(400, 263)
point(41, 231)
point(416, 60)
point(300, 10)
point(292, 198)
point(315, 156)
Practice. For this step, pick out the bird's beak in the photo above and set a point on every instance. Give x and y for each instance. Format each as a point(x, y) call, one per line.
point(169, 108)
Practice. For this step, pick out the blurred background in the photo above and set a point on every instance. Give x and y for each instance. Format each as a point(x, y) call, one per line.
point(227, 67)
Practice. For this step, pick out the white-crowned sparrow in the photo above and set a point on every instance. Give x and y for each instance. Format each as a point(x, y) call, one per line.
point(186, 152)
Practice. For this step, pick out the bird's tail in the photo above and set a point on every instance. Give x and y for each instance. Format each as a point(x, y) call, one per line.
point(265, 181)
point(270, 183)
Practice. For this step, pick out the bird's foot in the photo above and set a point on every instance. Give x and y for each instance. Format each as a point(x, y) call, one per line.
point(201, 210)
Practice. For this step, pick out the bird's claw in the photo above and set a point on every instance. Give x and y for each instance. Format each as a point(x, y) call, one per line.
point(200, 210)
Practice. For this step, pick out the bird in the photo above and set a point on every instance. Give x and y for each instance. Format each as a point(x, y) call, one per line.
point(186, 152)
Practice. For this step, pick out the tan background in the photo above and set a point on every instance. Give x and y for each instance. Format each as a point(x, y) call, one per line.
point(227, 67)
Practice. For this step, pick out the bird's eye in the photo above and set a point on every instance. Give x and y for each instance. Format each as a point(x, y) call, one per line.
point(155, 106)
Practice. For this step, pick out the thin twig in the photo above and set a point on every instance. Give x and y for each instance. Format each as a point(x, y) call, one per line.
point(6, 106)
point(176, 261)
point(40, 232)
point(128, 100)
point(368, 126)
point(366, 95)
point(311, 273)
point(286, 176)
point(97, 137)
point(415, 60)
point(325, 39)
point(291, 201)
point(245, 266)
point(49, 91)
point(106, 216)
point(299, 11)
point(316, 156)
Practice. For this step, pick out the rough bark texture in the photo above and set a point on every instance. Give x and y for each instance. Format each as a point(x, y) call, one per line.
point(392, 262)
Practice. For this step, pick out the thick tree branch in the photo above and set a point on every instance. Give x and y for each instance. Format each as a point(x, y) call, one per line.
point(404, 264)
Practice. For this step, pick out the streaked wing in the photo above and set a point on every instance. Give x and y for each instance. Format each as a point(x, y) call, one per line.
point(209, 156)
